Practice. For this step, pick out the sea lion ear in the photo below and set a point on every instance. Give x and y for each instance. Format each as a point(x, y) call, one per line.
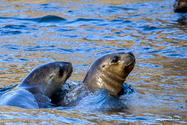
point(115, 59)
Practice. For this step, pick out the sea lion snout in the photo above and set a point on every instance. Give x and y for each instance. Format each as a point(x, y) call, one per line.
point(130, 59)
point(63, 68)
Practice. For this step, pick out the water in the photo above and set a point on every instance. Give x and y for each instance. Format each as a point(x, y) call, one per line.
point(40, 31)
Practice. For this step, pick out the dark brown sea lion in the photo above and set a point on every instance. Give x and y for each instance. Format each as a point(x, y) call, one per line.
point(107, 72)
point(180, 6)
point(37, 88)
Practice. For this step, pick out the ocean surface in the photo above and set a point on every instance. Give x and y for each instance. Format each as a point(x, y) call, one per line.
point(40, 31)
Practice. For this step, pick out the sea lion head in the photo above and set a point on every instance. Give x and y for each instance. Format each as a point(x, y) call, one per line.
point(180, 6)
point(109, 72)
point(48, 77)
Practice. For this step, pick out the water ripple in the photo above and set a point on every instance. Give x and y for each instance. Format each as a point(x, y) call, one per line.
point(36, 32)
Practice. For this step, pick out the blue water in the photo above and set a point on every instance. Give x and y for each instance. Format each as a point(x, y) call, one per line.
point(36, 32)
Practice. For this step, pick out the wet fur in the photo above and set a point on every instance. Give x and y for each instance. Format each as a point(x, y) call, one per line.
point(180, 6)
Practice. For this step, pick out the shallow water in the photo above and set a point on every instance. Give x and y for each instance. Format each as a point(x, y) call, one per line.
point(40, 31)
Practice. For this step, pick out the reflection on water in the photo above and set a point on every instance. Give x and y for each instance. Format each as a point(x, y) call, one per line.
point(36, 32)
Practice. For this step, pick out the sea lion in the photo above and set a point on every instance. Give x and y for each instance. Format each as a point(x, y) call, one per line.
point(107, 72)
point(38, 86)
point(180, 6)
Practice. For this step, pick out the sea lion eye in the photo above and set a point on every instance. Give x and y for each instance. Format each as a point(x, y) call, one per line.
point(51, 76)
point(115, 59)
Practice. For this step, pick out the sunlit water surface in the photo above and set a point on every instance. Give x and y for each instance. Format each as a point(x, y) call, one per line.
point(40, 31)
